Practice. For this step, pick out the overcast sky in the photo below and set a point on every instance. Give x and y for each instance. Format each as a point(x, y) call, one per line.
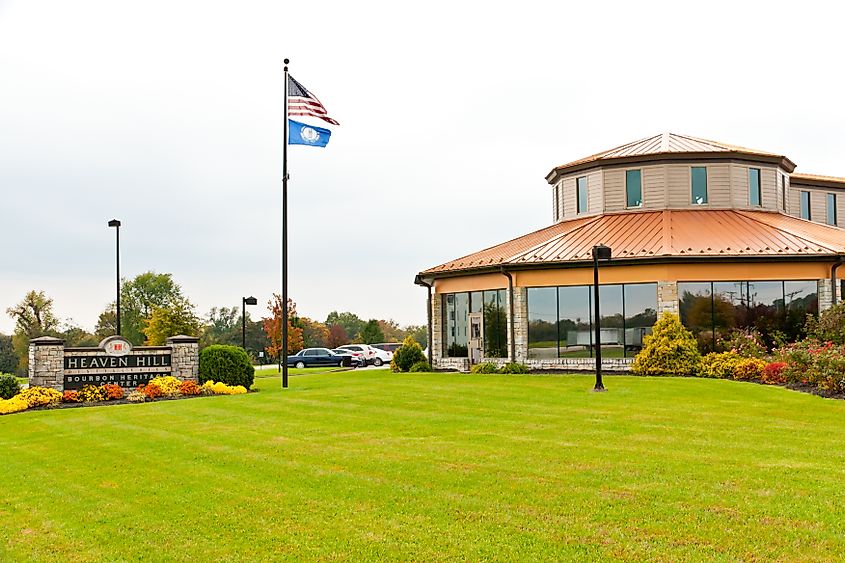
point(168, 116)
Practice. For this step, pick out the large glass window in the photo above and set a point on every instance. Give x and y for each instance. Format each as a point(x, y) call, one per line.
point(633, 188)
point(495, 324)
point(831, 209)
point(776, 308)
point(699, 185)
point(542, 322)
point(583, 202)
point(805, 205)
point(755, 193)
point(457, 318)
point(567, 331)
point(640, 313)
point(576, 330)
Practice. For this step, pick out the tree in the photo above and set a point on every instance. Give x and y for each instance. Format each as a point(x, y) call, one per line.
point(139, 298)
point(418, 333)
point(107, 322)
point(314, 333)
point(273, 327)
point(371, 333)
point(337, 336)
point(75, 336)
point(8, 358)
point(350, 322)
point(222, 326)
point(33, 318)
point(178, 318)
point(391, 330)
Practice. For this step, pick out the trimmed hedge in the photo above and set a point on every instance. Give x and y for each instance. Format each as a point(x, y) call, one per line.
point(9, 386)
point(228, 364)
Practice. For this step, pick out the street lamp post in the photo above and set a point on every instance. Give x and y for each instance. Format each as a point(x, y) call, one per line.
point(244, 302)
point(116, 224)
point(600, 252)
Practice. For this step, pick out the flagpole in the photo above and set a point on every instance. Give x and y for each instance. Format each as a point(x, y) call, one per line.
point(285, 238)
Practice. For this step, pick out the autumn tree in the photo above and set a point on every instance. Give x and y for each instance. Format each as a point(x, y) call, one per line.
point(337, 336)
point(178, 318)
point(350, 322)
point(314, 333)
point(273, 327)
point(391, 331)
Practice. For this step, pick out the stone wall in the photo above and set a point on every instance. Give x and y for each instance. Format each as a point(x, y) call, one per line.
point(616, 365)
point(185, 359)
point(46, 362)
point(667, 297)
point(825, 295)
point(436, 346)
point(520, 323)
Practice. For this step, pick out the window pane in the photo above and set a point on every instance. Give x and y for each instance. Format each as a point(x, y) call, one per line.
point(448, 323)
point(542, 322)
point(729, 311)
point(754, 195)
point(576, 334)
point(805, 205)
point(696, 304)
point(633, 188)
point(640, 314)
point(801, 299)
point(582, 194)
point(495, 325)
point(612, 321)
point(457, 337)
point(831, 209)
point(765, 308)
point(475, 302)
point(699, 184)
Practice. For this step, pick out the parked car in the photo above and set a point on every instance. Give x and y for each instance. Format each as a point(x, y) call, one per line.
point(358, 360)
point(382, 357)
point(388, 346)
point(310, 357)
point(368, 351)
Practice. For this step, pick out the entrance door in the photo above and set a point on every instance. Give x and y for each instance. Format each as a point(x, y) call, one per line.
point(476, 337)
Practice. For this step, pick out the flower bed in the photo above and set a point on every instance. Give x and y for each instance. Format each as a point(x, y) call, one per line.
point(162, 387)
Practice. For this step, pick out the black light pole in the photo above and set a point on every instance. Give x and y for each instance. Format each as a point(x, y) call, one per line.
point(600, 252)
point(116, 224)
point(244, 302)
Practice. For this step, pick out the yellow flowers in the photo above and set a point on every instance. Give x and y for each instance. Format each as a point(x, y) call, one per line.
point(30, 397)
point(220, 388)
point(169, 385)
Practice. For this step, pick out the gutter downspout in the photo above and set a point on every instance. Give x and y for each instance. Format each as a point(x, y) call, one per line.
point(419, 281)
point(510, 314)
point(833, 269)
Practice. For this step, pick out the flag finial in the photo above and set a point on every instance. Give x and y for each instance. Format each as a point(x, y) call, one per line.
point(287, 61)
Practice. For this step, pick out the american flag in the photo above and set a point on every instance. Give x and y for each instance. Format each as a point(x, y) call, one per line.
point(303, 102)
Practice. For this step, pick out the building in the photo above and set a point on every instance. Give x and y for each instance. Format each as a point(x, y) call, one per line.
point(725, 236)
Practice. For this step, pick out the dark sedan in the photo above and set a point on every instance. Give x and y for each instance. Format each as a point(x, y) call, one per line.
point(315, 357)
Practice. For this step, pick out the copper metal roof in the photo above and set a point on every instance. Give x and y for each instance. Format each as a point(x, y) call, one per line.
point(667, 145)
point(660, 234)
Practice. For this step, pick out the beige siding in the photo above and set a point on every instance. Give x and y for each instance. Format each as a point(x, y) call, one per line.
point(614, 189)
point(793, 204)
point(780, 178)
point(768, 185)
point(595, 197)
point(654, 187)
point(678, 185)
point(569, 197)
point(719, 185)
point(739, 185)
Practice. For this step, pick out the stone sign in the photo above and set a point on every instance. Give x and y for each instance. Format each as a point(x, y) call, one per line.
point(113, 361)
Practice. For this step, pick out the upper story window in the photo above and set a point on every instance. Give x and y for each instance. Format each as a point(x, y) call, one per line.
point(633, 188)
point(554, 203)
point(805, 205)
point(581, 194)
point(699, 185)
point(755, 194)
point(831, 209)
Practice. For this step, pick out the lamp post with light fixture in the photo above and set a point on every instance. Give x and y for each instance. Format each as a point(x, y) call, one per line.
point(244, 302)
point(116, 224)
point(600, 252)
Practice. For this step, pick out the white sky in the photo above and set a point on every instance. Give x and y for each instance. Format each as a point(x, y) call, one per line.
point(167, 115)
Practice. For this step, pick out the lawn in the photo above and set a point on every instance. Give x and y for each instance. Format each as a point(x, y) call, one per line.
point(377, 466)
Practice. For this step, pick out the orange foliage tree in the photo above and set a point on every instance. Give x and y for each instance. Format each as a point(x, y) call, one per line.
point(273, 327)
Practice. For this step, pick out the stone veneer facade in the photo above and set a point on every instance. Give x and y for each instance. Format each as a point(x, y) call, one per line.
point(47, 355)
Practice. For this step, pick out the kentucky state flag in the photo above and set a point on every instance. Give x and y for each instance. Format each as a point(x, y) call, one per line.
point(304, 134)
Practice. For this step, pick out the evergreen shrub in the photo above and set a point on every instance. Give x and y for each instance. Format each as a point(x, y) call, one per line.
point(420, 367)
point(669, 350)
point(749, 369)
point(514, 367)
point(228, 364)
point(484, 367)
point(9, 386)
point(407, 355)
